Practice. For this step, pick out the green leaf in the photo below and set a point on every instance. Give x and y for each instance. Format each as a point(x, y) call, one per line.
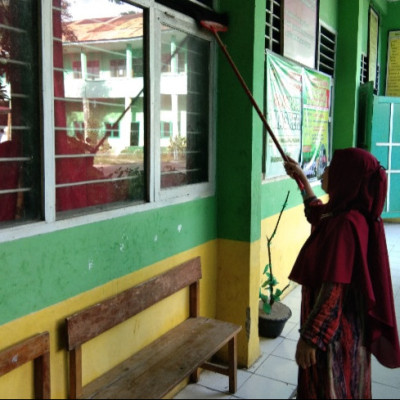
point(264, 298)
point(266, 269)
point(267, 308)
point(273, 282)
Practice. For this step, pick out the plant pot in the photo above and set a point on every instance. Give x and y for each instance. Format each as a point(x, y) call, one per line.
point(271, 325)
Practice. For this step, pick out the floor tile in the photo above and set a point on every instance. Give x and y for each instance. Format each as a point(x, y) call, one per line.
point(280, 369)
point(220, 382)
point(294, 333)
point(288, 328)
point(196, 391)
point(267, 346)
point(385, 376)
point(384, 392)
point(258, 387)
point(258, 362)
point(286, 349)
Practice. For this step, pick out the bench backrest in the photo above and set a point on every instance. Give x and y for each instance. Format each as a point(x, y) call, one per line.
point(36, 349)
point(92, 321)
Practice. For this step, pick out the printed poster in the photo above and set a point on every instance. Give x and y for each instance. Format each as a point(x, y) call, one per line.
point(315, 122)
point(298, 105)
point(393, 65)
point(283, 112)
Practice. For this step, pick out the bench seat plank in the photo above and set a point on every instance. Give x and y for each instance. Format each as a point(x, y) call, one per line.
point(158, 368)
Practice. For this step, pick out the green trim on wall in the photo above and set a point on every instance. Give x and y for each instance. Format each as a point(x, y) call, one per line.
point(239, 129)
point(40, 271)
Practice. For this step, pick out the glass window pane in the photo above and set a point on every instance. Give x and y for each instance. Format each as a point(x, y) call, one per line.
point(184, 111)
point(99, 103)
point(20, 188)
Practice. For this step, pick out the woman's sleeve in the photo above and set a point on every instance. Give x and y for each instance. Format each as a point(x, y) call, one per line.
point(313, 209)
point(324, 319)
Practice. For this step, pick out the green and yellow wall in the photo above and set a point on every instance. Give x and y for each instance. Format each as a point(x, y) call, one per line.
point(47, 277)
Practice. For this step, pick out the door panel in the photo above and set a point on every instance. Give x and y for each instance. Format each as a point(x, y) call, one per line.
point(385, 145)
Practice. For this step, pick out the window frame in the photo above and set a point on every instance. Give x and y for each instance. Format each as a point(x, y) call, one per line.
point(187, 25)
point(154, 13)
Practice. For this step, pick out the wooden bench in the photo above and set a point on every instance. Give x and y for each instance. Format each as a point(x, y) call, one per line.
point(155, 370)
point(36, 349)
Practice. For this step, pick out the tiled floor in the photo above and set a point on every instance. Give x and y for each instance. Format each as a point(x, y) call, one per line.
point(274, 374)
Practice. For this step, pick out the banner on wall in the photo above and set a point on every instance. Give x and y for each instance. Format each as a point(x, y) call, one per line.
point(315, 122)
point(283, 112)
point(393, 64)
point(298, 104)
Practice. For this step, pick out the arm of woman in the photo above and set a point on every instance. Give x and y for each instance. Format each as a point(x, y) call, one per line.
point(294, 170)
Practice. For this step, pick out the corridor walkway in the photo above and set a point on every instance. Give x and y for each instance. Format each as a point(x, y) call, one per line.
point(274, 374)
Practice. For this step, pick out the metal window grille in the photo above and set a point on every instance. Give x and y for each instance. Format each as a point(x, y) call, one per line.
point(273, 26)
point(364, 69)
point(326, 50)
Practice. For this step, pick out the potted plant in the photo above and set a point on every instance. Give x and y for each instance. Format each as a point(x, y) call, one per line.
point(273, 314)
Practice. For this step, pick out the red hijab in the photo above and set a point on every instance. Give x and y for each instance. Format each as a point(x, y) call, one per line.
point(348, 245)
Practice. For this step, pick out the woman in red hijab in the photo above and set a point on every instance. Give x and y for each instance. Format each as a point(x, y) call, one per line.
point(347, 309)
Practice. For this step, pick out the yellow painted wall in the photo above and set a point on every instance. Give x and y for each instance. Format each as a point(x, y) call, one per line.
point(237, 297)
point(292, 231)
point(240, 267)
point(113, 346)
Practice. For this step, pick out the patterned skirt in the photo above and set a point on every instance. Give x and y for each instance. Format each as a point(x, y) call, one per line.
point(332, 320)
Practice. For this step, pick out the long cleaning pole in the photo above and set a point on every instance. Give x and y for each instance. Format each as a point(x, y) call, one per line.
point(214, 27)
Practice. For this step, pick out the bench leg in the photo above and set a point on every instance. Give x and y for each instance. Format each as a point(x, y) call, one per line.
point(42, 376)
point(232, 366)
point(194, 377)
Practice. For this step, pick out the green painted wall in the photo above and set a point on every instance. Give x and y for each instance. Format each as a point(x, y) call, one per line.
point(347, 74)
point(328, 12)
point(46, 269)
point(239, 138)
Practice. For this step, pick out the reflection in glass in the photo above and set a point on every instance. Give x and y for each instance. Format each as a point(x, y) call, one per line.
point(19, 112)
point(99, 103)
point(184, 113)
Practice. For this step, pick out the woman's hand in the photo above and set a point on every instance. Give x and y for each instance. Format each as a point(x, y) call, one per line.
point(305, 354)
point(293, 168)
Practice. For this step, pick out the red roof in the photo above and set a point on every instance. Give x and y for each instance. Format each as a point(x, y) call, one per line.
point(107, 28)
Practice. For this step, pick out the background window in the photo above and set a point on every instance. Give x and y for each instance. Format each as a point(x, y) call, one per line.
point(93, 69)
point(117, 68)
point(112, 130)
point(77, 69)
point(137, 67)
point(166, 129)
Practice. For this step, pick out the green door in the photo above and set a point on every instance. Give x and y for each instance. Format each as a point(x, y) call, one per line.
point(385, 145)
